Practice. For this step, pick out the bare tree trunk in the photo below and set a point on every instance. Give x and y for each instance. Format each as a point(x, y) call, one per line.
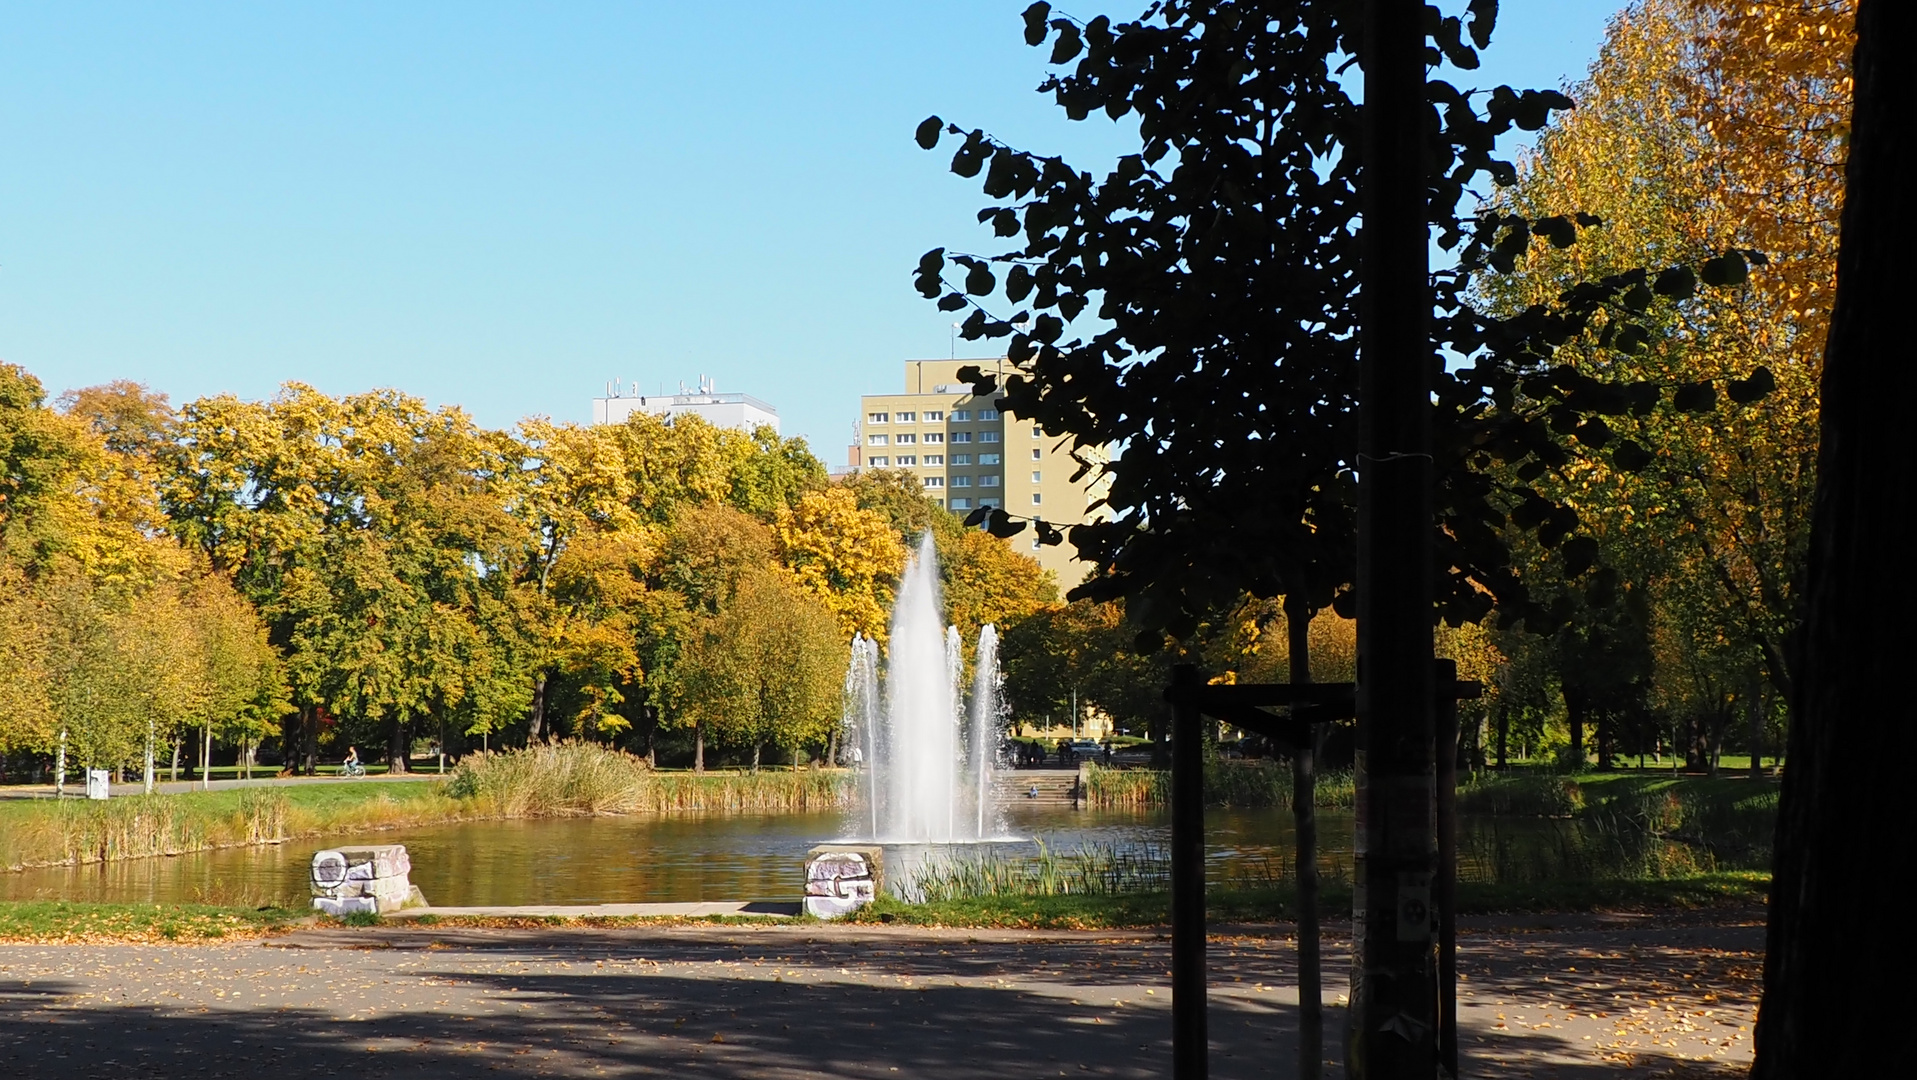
point(1574, 718)
point(1504, 736)
point(396, 747)
point(698, 746)
point(1304, 814)
point(1756, 708)
point(309, 736)
point(756, 747)
point(536, 728)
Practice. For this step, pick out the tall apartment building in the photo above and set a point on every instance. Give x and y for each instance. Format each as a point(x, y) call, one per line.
point(967, 454)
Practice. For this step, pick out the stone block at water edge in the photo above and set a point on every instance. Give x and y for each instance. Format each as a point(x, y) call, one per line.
point(842, 878)
point(373, 878)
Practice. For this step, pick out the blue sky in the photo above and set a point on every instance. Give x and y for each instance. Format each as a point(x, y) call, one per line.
point(505, 205)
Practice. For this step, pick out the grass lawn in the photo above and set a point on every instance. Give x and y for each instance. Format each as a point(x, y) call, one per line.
point(63, 922)
point(1279, 903)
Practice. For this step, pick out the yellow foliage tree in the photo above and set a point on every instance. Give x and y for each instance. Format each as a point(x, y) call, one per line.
point(848, 557)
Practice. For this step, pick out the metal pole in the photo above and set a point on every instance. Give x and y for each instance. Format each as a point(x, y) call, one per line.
point(1190, 1042)
point(1444, 889)
point(1393, 1013)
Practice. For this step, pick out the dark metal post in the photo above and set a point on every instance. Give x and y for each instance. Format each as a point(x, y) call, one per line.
point(1445, 888)
point(1190, 1042)
point(1393, 1012)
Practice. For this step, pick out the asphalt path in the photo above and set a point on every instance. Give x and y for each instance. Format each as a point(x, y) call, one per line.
point(77, 789)
point(1570, 997)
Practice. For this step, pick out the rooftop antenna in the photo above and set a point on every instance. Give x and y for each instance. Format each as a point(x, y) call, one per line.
point(954, 337)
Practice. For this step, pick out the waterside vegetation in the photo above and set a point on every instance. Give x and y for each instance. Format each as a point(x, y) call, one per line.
point(553, 780)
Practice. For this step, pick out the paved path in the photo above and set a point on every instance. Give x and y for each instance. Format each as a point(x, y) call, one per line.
point(1566, 998)
point(757, 909)
point(78, 790)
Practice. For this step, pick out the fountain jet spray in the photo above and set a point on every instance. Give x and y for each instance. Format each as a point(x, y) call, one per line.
point(927, 758)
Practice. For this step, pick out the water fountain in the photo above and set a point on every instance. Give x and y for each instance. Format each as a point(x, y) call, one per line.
point(926, 758)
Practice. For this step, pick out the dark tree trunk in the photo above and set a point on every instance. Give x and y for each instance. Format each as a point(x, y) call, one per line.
point(396, 747)
point(652, 749)
point(1393, 1014)
point(1304, 813)
point(1756, 708)
point(1574, 718)
point(535, 728)
point(1504, 737)
point(1841, 809)
point(1161, 754)
point(309, 735)
point(1605, 725)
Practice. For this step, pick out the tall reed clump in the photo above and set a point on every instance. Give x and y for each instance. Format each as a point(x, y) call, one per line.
point(1243, 784)
point(1097, 870)
point(552, 780)
point(771, 791)
point(582, 778)
point(138, 826)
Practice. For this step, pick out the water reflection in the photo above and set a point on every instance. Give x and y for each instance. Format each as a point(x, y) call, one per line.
point(758, 857)
point(626, 860)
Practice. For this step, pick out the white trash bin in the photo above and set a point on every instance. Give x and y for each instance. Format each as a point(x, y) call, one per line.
point(97, 783)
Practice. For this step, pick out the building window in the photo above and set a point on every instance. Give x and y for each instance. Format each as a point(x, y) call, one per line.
point(905, 418)
point(906, 439)
point(961, 459)
point(961, 415)
point(988, 502)
point(934, 436)
point(934, 416)
point(1037, 434)
point(876, 418)
point(880, 463)
point(875, 440)
point(988, 436)
point(1035, 478)
point(938, 502)
point(907, 459)
point(935, 481)
point(1036, 452)
point(988, 414)
point(961, 481)
point(988, 480)
point(961, 436)
point(935, 459)
point(961, 504)
point(988, 459)
point(1035, 498)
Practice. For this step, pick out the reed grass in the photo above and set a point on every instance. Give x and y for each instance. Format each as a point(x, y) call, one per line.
point(45, 832)
point(1242, 784)
point(578, 778)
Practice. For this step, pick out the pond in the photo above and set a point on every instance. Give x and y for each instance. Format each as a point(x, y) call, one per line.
point(689, 857)
point(642, 858)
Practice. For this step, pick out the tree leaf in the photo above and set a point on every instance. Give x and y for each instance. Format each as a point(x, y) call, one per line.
point(1727, 269)
point(1698, 397)
point(1035, 18)
point(1754, 388)
point(928, 132)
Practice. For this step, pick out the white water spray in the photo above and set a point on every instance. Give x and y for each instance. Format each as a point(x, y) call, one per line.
point(927, 758)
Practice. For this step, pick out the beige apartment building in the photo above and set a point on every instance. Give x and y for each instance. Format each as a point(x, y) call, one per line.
point(966, 454)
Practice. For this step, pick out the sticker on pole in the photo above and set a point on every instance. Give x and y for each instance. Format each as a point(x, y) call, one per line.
point(1414, 907)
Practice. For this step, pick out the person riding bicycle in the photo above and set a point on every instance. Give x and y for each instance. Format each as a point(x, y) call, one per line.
point(351, 766)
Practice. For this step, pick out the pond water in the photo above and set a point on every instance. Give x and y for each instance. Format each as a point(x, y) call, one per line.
point(644, 858)
point(691, 857)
